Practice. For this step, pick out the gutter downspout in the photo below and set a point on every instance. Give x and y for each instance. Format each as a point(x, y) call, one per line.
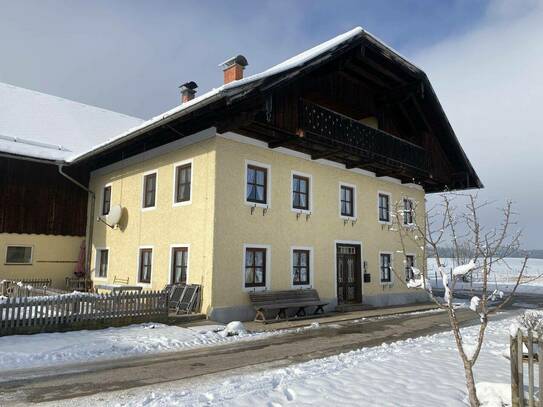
point(90, 216)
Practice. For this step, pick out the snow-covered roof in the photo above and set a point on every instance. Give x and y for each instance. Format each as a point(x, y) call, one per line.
point(43, 126)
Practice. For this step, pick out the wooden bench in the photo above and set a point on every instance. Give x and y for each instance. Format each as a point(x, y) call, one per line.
point(283, 300)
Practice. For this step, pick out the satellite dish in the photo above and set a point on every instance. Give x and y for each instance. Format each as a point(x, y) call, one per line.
point(114, 215)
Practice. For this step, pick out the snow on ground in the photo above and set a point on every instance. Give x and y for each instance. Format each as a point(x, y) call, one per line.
point(503, 277)
point(420, 372)
point(54, 349)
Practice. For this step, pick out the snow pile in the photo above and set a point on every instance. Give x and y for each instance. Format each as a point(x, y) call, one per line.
point(233, 328)
point(385, 375)
point(494, 394)
point(464, 269)
point(50, 349)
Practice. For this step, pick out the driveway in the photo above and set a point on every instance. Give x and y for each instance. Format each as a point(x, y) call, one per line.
point(69, 382)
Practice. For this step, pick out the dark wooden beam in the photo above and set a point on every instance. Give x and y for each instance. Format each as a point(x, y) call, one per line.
point(364, 58)
point(372, 78)
point(283, 141)
point(325, 154)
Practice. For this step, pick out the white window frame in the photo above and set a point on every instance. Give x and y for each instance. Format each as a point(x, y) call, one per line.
point(142, 284)
point(97, 262)
point(170, 260)
point(174, 194)
point(30, 263)
point(406, 198)
point(150, 208)
point(109, 184)
point(355, 199)
point(268, 185)
point(311, 266)
point(391, 268)
point(310, 192)
point(267, 286)
point(390, 213)
point(414, 260)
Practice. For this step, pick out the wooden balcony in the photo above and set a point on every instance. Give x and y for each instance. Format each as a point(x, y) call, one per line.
point(357, 144)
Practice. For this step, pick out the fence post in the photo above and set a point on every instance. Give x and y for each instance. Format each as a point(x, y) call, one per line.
point(530, 347)
point(520, 364)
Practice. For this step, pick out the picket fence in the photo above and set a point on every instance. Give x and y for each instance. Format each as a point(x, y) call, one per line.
point(80, 311)
point(533, 356)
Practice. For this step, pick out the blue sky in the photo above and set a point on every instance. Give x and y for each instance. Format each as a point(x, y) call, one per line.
point(111, 53)
point(484, 58)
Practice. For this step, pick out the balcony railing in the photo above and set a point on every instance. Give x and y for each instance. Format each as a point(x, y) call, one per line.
point(371, 145)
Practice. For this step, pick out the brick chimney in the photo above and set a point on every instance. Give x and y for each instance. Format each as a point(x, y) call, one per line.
point(188, 90)
point(233, 68)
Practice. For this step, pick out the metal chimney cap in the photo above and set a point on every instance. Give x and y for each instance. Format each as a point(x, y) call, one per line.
point(188, 85)
point(239, 60)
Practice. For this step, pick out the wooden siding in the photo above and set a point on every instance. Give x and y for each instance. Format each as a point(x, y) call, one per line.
point(36, 199)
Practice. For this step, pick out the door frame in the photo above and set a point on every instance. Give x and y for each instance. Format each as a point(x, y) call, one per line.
point(352, 242)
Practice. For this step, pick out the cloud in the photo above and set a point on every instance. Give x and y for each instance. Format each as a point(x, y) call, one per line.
point(490, 83)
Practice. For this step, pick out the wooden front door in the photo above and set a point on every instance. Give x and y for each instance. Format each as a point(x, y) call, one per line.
point(349, 276)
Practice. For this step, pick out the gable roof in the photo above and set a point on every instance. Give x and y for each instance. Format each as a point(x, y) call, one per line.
point(42, 126)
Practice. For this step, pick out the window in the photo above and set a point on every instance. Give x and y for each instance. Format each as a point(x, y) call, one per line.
point(106, 200)
point(347, 200)
point(384, 208)
point(300, 267)
point(103, 261)
point(149, 190)
point(300, 192)
point(407, 211)
point(257, 184)
point(386, 267)
point(180, 256)
point(409, 262)
point(255, 267)
point(146, 261)
point(183, 178)
point(19, 255)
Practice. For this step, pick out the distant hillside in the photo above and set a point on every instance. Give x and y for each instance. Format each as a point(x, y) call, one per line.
point(448, 252)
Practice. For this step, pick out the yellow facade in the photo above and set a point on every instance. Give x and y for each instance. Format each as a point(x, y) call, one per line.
point(218, 223)
point(53, 257)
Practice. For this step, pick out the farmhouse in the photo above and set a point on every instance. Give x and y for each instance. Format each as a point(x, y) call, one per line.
point(281, 180)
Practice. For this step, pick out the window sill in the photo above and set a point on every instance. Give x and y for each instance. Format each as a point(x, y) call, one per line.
point(251, 289)
point(257, 205)
point(182, 203)
point(300, 286)
point(302, 211)
point(348, 218)
point(18, 264)
point(150, 208)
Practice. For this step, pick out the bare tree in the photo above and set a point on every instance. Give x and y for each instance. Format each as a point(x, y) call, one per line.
point(476, 248)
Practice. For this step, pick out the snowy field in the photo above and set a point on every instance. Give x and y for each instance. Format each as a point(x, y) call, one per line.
point(54, 349)
point(503, 277)
point(419, 372)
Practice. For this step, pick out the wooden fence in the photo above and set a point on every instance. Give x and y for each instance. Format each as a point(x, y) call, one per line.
point(7, 286)
point(533, 356)
point(78, 284)
point(80, 311)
